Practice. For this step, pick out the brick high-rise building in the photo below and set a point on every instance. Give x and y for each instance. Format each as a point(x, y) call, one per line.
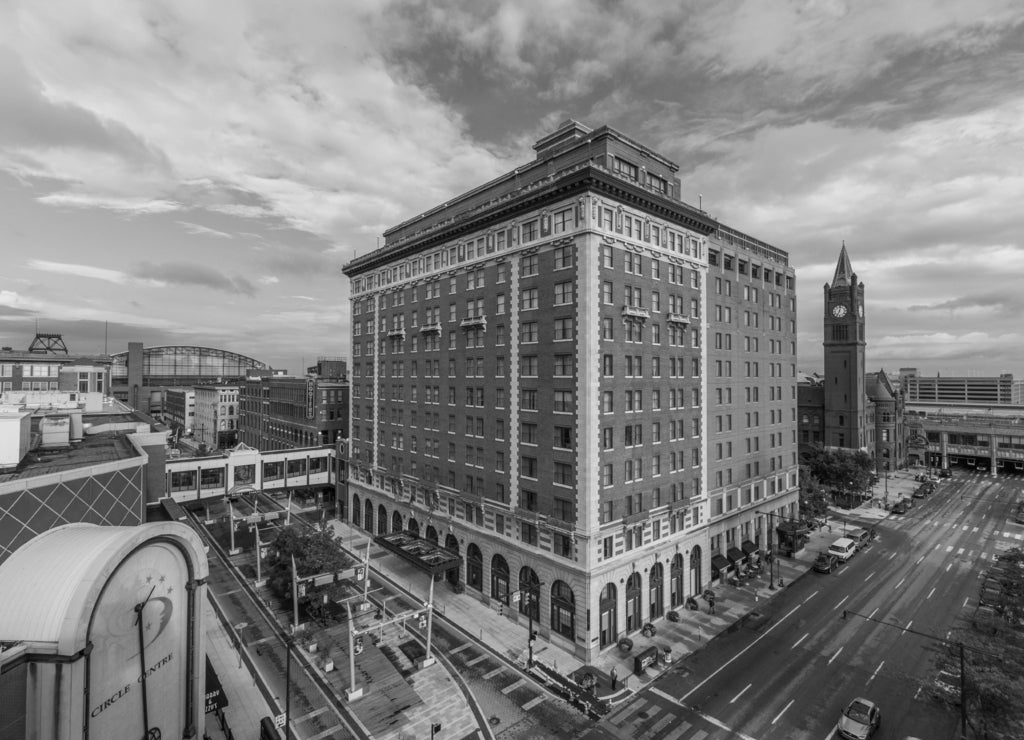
point(536, 386)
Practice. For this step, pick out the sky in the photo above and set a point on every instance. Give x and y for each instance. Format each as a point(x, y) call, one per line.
point(199, 173)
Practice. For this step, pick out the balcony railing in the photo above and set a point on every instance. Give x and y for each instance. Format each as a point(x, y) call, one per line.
point(397, 333)
point(678, 318)
point(427, 328)
point(472, 322)
point(635, 312)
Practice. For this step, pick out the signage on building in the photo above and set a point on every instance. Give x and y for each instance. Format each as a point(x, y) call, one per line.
point(310, 398)
point(137, 668)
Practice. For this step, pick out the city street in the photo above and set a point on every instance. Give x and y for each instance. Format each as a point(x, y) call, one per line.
point(788, 670)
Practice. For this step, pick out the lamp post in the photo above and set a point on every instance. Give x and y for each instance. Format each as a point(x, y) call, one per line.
point(532, 591)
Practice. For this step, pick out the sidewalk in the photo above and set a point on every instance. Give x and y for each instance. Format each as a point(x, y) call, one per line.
point(509, 636)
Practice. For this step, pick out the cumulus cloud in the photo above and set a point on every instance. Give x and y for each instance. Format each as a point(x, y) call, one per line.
point(188, 274)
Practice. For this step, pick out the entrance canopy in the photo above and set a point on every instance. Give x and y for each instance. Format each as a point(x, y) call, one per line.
point(424, 554)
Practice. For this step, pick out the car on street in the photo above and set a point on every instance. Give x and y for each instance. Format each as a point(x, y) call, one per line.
point(945, 473)
point(899, 508)
point(826, 562)
point(860, 720)
point(920, 492)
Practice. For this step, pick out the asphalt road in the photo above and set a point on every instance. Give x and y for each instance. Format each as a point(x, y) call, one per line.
point(788, 671)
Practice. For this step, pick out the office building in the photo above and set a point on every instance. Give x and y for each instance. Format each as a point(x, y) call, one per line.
point(946, 390)
point(280, 412)
point(532, 385)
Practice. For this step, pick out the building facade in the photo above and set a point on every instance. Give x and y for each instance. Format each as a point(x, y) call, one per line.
point(847, 407)
point(216, 409)
point(531, 390)
point(180, 409)
point(141, 374)
point(285, 412)
point(998, 390)
point(48, 366)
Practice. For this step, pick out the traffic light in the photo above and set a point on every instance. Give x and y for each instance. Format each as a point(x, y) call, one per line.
point(423, 621)
point(360, 573)
point(533, 635)
point(358, 645)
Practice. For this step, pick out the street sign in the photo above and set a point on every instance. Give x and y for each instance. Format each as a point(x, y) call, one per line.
point(515, 597)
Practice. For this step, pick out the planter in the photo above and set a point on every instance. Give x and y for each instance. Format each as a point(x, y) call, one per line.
point(625, 644)
point(649, 630)
point(672, 616)
point(587, 681)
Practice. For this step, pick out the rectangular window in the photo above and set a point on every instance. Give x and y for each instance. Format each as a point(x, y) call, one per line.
point(563, 366)
point(563, 329)
point(563, 257)
point(529, 299)
point(563, 438)
point(563, 474)
point(528, 467)
point(529, 231)
point(564, 402)
point(528, 433)
point(528, 332)
point(528, 366)
point(563, 293)
point(528, 266)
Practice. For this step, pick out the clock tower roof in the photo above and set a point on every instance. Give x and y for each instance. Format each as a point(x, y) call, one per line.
point(843, 277)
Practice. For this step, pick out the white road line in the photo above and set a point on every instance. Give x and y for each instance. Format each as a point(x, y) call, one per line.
point(869, 576)
point(968, 598)
point(835, 656)
point(960, 551)
point(974, 530)
point(984, 556)
point(918, 692)
point(919, 560)
point(876, 671)
point(908, 625)
point(965, 527)
point(949, 548)
point(726, 663)
point(810, 597)
point(948, 567)
point(929, 594)
point(832, 733)
point(900, 583)
point(733, 700)
point(873, 613)
point(840, 603)
point(800, 640)
point(891, 556)
point(717, 723)
point(783, 711)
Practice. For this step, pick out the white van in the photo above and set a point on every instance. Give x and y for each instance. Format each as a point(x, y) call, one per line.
point(843, 548)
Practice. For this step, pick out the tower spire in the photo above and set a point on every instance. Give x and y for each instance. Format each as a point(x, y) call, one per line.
point(844, 272)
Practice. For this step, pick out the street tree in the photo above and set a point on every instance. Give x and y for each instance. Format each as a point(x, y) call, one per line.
point(316, 551)
point(813, 499)
point(844, 472)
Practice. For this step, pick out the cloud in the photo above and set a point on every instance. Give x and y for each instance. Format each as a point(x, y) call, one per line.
point(304, 297)
point(268, 280)
point(192, 228)
point(177, 273)
point(84, 271)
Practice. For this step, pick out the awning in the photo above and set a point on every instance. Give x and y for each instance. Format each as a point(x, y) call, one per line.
point(749, 547)
point(424, 554)
point(735, 554)
point(719, 562)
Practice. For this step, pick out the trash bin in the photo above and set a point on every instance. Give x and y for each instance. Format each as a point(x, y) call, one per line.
point(647, 658)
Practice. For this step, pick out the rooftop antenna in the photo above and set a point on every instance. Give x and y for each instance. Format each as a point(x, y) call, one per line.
point(106, 324)
point(700, 202)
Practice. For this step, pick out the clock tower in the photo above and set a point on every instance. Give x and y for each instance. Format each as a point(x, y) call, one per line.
point(845, 397)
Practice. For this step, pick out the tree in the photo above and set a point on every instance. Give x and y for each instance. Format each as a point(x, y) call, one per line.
point(845, 472)
point(993, 658)
point(813, 501)
point(315, 551)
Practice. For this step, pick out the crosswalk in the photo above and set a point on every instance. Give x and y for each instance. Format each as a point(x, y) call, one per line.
point(647, 718)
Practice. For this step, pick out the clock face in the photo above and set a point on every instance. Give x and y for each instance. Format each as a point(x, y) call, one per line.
point(839, 311)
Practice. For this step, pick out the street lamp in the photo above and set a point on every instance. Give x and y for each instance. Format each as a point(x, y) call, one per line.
point(533, 592)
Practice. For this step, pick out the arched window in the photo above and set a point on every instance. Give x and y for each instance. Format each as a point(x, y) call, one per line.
point(451, 544)
point(474, 567)
point(529, 593)
point(563, 610)
point(633, 598)
point(656, 588)
point(368, 517)
point(382, 520)
point(609, 616)
point(396, 522)
point(413, 527)
point(676, 573)
point(432, 534)
point(696, 585)
point(499, 579)
point(357, 511)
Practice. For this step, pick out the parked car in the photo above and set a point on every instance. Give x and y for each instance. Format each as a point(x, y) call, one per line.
point(920, 492)
point(945, 473)
point(843, 548)
point(899, 508)
point(860, 720)
point(826, 562)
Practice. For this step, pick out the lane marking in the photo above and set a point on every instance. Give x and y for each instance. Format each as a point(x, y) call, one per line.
point(966, 599)
point(869, 576)
point(891, 556)
point(900, 583)
point(876, 671)
point(832, 733)
point(783, 711)
point(733, 700)
point(873, 613)
point(908, 625)
point(949, 548)
point(741, 652)
point(707, 717)
point(840, 603)
point(834, 656)
point(960, 551)
point(810, 597)
point(930, 594)
point(532, 703)
point(919, 560)
point(948, 567)
point(800, 640)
